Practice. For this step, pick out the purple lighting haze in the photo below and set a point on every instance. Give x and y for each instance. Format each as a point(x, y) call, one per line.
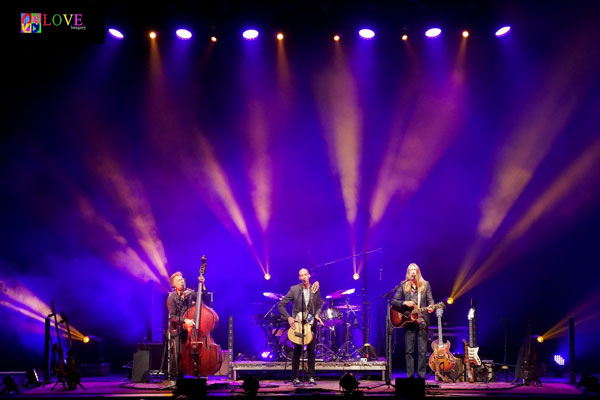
point(433, 32)
point(503, 31)
point(366, 33)
point(115, 33)
point(250, 34)
point(183, 34)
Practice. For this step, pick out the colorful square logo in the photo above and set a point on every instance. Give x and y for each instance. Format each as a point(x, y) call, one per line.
point(31, 22)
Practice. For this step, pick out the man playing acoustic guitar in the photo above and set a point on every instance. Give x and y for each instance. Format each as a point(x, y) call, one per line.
point(415, 292)
point(306, 299)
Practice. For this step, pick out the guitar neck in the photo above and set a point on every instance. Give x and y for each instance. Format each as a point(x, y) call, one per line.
point(440, 338)
point(472, 333)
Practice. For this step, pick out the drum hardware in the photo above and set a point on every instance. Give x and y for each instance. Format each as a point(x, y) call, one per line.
point(348, 350)
point(325, 343)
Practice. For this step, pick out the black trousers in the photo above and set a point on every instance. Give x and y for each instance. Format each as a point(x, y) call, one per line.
point(418, 333)
point(310, 351)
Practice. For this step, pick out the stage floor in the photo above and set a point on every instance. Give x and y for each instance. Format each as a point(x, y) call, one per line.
point(117, 387)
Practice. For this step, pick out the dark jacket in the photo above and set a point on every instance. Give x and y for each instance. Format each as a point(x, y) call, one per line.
point(295, 296)
point(402, 295)
point(178, 305)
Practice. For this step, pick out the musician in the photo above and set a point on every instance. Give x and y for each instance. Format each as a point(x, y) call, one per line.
point(178, 302)
point(415, 292)
point(305, 298)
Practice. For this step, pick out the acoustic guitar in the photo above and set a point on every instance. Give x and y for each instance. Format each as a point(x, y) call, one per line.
point(295, 335)
point(400, 316)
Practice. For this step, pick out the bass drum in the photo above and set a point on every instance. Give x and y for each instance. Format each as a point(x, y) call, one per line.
point(331, 316)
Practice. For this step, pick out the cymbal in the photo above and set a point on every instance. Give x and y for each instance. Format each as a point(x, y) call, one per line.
point(350, 307)
point(274, 296)
point(338, 294)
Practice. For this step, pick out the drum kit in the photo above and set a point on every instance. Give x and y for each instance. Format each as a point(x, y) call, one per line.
point(338, 316)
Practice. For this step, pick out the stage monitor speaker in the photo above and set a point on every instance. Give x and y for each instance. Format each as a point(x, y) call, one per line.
point(410, 388)
point(141, 365)
point(192, 388)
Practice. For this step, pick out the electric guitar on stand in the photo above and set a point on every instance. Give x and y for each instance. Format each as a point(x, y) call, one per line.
point(471, 350)
point(441, 360)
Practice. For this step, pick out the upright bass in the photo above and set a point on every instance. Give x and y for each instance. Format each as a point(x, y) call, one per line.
point(200, 355)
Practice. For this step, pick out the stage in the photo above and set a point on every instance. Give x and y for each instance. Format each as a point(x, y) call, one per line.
point(117, 386)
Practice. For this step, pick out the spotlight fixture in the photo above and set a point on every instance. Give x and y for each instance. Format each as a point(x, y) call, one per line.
point(10, 386)
point(433, 33)
point(32, 378)
point(366, 33)
point(449, 300)
point(348, 382)
point(152, 35)
point(86, 339)
point(336, 38)
point(115, 33)
point(539, 338)
point(559, 360)
point(183, 34)
point(355, 276)
point(465, 34)
point(503, 31)
point(250, 386)
point(405, 37)
point(267, 276)
point(279, 36)
point(250, 34)
point(213, 39)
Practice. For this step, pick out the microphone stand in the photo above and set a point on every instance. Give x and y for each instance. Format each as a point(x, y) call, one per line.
point(302, 324)
point(389, 335)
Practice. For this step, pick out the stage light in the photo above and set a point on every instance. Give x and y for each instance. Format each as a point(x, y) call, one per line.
point(250, 386)
point(10, 386)
point(279, 36)
point(213, 39)
point(250, 34)
point(266, 355)
point(183, 34)
point(115, 33)
point(86, 339)
point(432, 33)
point(336, 38)
point(355, 276)
point(267, 277)
point(366, 33)
point(503, 31)
point(152, 35)
point(559, 360)
point(539, 338)
point(449, 300)
point(32, 378)
point(405, 37)
point(465, 34)
point(348, 382)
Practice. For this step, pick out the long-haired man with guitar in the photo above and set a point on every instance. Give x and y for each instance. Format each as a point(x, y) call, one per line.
point(413, 293)
point(306, 307)
point(178, 302)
